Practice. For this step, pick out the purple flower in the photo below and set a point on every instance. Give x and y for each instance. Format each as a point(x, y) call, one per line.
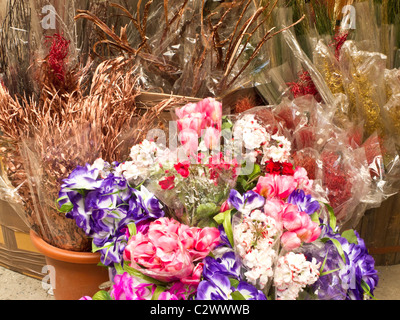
point(219, 288)
point(103, 206)
point(227, 265)
point(217, 284)
point(82, 178)
point(250, 292)
point(246, 203)
point(224, 241)
point(304, 202)
point(346, 283)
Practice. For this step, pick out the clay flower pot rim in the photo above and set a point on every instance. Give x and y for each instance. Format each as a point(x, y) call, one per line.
point(63, 255)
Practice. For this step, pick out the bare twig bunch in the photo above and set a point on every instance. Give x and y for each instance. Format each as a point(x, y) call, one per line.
point(215, 45)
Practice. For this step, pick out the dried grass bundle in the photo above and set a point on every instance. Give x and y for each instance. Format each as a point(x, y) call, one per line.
point(51, 138)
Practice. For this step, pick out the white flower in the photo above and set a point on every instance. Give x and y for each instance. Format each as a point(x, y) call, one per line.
point(255, 238)
point(250, 132)
point(98, 164)
point(278, 151)
point(293, 273)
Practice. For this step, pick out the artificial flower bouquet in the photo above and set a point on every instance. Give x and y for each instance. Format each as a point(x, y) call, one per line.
point(201, 224)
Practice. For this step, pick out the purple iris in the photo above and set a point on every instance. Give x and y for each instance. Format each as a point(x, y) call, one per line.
point(304, 202)
point(246, 203)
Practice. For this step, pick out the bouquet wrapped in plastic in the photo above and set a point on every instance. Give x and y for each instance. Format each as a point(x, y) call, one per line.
point(271, 233)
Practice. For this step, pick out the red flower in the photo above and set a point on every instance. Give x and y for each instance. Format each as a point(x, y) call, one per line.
point(287, 169)
point(183, 168)
point(167, 183)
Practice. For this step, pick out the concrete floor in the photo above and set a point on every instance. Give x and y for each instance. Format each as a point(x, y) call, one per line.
point(15, 286)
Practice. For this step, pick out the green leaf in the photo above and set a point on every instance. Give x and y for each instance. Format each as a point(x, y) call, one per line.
point(66, 207)
point(328, 272)
point(332, 217)
point(102, 295)
point(350, 236)
point(237, 296)
point(138, 274)
point(157, 292)
point(338, 247)
point(255, 174)
point(118, 268)
point(367, 289)
point(315, 217)
point(234, 282)
point(225, 218)
point(132, 229)
point(207, 209)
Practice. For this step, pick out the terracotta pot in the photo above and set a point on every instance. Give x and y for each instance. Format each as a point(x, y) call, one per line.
point(75, 274)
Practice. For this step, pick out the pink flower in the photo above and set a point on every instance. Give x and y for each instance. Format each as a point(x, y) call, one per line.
point(160, 252)
point(291, 217)
point(212, 138)
point(273, 185)
point(274, 207)
point(186, 110)
point(309, 230)
point(225, 206)
point(166, 295)
point(206, 240)
point(290, 241)
point(168, 249)
point(167, 183)
point(213, 111)
point(190, 140)
point(195, 277)
point(301, 178)
point(128, 288)
point(195, 122)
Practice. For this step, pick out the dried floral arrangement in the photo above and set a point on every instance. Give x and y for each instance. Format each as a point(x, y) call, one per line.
point(48, 141)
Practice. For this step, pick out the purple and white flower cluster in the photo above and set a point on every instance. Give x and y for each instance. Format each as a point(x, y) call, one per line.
point(222, 280)
point(103, 204)
point(345, 275)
